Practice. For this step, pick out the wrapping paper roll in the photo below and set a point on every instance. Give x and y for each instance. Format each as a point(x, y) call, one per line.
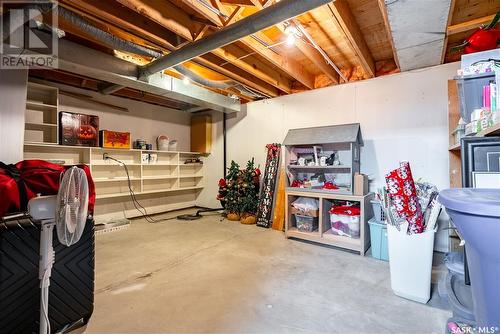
point(403, 194)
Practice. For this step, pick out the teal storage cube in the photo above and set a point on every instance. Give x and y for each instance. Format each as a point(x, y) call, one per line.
point(378, 237)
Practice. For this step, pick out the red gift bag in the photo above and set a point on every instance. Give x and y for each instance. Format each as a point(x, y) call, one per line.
point(22, 181)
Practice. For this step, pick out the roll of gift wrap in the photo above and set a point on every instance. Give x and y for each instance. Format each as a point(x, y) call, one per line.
point(403, 194)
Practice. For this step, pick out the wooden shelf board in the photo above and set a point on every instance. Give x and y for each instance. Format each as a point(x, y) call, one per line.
point(456, 147)
point(344, 242)
point(491, 131)
point(190, 165)
point(103, 196)
point(159, 177)
point(116, 179)
point(192, 176)
point(39, 105)
point(119, 149)
point(114, 164)
point(346, 195)
point(40, 125)
point(161, 164)
point(318, 167)
point(295, 233)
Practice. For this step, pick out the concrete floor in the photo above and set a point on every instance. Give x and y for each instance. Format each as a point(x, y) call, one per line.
point(208, 276)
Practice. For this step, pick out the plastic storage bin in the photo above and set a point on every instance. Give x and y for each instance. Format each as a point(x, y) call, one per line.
point(410, 261)
point(306, 223)
point(378, 213)
point(476, 214)
point(345, 221)
point(378, 238)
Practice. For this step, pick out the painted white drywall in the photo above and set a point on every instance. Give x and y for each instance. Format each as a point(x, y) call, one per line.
point(403, 117)
point(12, 110)
point(144, 121)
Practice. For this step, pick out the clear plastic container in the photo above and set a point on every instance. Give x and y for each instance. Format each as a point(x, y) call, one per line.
point(345, 221)
point(306, 223)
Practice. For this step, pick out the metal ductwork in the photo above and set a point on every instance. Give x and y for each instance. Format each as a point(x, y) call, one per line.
point(263, 19)
point(127, 46)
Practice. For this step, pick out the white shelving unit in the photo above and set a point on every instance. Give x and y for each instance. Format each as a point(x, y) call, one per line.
point(168, 174)
point(41, 114)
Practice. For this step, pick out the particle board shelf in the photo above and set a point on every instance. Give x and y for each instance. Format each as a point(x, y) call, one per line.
point(323, 192)
point(115, 179)
point(491, 131)
point(110, 178)
point(160, 177)
point(319, 167)
point(147, 192)
point(456, 147)
point(324, 234)
point(39, 126)
point(40, 106)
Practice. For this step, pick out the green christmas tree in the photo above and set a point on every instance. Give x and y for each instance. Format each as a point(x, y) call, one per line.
point(250, 189)
point(233, 201)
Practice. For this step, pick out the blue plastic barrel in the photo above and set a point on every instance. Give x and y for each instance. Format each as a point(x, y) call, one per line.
point(378, 239)
point(476, 215)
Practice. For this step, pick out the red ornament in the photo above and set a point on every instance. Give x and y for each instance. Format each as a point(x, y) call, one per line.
point(330, 186)
point(222, 183)
point(482, 39)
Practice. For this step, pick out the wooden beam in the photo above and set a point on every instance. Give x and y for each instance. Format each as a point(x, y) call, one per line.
point(125, 19)
point(469, 25)
point(241, 3)
point(231, 71)
point(308, 51)
point(445, 44)
point(91, 10)
point(317, 59)
point(164, 13)
point(204, 12)
point(284, 62)
point(348, 24)
point(383, 10)
point(233, 55)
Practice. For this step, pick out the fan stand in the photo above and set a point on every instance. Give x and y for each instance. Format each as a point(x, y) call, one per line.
point(45, 270)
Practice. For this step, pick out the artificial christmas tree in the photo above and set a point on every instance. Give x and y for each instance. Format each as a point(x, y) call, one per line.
point(232, 198)
point(249, 191)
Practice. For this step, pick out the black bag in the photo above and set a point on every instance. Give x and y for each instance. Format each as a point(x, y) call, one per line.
point(71, 291)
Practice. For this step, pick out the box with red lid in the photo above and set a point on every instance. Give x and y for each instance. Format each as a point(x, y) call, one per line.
point(345, 220)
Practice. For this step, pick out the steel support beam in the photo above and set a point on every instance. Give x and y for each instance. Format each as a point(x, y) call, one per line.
point(265, 18)
point(75, 58)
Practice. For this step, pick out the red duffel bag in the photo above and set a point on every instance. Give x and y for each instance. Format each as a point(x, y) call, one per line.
point(22, 181)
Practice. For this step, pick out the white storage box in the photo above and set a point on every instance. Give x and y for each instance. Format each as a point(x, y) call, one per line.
point(410, 260)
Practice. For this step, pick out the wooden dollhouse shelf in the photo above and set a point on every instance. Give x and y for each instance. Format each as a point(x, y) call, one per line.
point(341, 142)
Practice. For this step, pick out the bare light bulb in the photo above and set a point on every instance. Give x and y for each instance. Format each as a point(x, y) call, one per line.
point(290, 40)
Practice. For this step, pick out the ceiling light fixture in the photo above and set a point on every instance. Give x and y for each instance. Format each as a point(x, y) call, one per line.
point(186, 81)
point(292, 33)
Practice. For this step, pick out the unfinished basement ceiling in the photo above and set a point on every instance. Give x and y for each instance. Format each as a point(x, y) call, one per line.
point(344, 40)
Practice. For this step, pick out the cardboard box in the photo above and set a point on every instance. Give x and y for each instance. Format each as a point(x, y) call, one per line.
point(78, 129)
point(360, 184)
point(114, 139)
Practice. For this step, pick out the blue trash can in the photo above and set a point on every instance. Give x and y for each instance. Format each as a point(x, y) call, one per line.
point(476, 215)
point(378, 239)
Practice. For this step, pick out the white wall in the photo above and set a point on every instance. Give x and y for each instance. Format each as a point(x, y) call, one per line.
point(12, 108)
point(402, 116)
point(145, 121)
